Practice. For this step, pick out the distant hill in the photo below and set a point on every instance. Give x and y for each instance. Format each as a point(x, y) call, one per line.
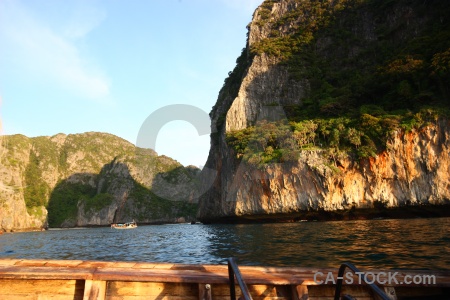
point(90, 179)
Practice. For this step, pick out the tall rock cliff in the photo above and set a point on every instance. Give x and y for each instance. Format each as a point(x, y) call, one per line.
point(89, 179)
point(357, 95)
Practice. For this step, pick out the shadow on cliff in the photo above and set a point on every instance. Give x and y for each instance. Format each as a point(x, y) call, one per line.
point(178, 184)
point(63, 202)
point(112, 196)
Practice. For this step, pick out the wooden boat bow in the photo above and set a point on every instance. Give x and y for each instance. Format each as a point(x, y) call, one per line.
point(77, 279)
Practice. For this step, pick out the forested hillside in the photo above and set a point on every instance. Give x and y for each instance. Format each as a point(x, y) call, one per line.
point(90, 179)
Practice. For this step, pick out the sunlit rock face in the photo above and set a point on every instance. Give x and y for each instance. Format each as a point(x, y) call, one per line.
point(414, 168)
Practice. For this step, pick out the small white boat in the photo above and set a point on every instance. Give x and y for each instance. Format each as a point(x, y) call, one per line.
point(128, 225)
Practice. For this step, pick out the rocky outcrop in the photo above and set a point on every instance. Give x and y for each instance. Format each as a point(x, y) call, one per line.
point(412, 169)
point(90, 179)
point(265, 84)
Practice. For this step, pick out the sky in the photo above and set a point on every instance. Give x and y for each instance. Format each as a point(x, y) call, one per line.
point(74, 66)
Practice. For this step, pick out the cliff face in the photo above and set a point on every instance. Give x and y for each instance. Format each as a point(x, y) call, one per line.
point(87, 180)
point(294, 49)
point(413, 171)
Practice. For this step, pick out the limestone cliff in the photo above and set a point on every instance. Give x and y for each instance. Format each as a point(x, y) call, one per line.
point(339, 60)
point(414, 170)
point(89, 179)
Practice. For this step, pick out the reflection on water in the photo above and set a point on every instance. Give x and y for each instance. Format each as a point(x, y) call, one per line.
point(417, 244)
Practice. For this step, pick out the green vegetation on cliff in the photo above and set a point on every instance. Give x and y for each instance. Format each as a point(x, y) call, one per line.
point(36, 189)
point(373, 68)
point(362, 137)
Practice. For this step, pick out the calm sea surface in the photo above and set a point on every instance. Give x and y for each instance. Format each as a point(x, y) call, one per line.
point(417, 244)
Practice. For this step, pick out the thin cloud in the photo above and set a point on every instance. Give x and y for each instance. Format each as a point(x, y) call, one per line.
point(82, 21)
point(40, 51)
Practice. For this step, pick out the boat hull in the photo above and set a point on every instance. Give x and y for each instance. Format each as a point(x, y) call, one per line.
point(47, 279)
point(114, 227)
point(131, 225)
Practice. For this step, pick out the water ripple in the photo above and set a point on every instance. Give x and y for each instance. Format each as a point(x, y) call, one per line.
point(412, 244)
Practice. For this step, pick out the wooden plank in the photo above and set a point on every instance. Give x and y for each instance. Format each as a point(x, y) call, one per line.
point(146, 265)
point(154, 298)
point(302, 292)
point(73, 288)
point(254, 298)
point(63, 263)
point(151, 289)
point(158, 290)
point(256, 276)
point(218, 290)
point(94, 290)
point(204, 291)
point(8, 261)
point(331, 298)
point(163, 266)
point(222, 291)
point(159, 275)
point(19, 272)
point(32, 263)
point(279, 292)
point(53, 279)
point(421, 291)
point(328, 291)
point(207, 268)
point(42, 297)
point(96, 264)
point(163, 272)
point(294, 293)
point(19, 297)
point(123, 264)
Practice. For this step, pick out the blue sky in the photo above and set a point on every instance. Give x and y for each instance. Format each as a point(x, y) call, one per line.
point(72, 66)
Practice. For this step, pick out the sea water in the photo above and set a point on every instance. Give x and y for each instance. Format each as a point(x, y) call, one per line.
point(380, 244)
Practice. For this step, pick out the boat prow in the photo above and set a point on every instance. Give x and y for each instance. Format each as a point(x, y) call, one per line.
point(106, 280)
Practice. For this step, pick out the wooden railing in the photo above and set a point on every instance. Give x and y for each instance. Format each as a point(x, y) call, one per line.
point(233, 271)
point(340, 279)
